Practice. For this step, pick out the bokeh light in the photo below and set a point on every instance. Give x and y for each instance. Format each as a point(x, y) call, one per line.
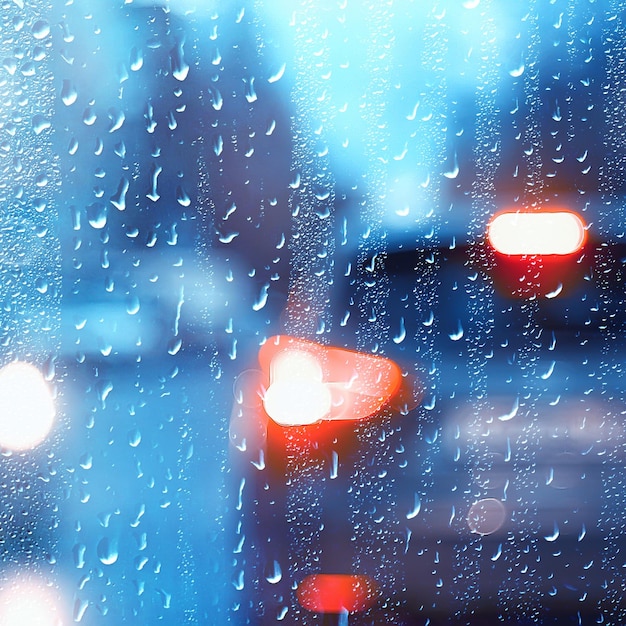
point(337, 593)
point(26, 406)
point(297, 395)
point(26, 603)
point(537, 233)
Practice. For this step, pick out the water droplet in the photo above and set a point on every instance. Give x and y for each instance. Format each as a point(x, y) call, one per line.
point(278, 74)
point(69, 94)
point(41, 285)
point(549, 372)
point(512, 413)
point(556, 292)
point(10, 65)
point(78, 552)
point(136, 59)
point(554, 535)
point(97, 215)
point(274, 574)
point(216, 98)
point(228, 238)
point(153, 194)
point(180, 68)
point(119, 199)
point(40, 29)
point(182, 197)
point(174, 346)
point(400, 337)
point(117, 118)
point(497, 553)
point(417, 505)
point(132, 305)
point(166, 598)
point(250, 92)
point(334, 465)
point(454, 171)
point(104, 388)
point(134, 438)
point(89, 116)
point(80, 607)
point(28, 69)
point(486, 516)
point(261, 301)
point(239, 581)
point(40, 123)
point(458, 334)
point(107, 551)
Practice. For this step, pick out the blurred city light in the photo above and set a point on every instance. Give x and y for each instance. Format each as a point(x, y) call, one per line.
point(26, 406)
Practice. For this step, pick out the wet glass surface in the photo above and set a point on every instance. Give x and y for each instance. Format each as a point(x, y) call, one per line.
point(278, 341)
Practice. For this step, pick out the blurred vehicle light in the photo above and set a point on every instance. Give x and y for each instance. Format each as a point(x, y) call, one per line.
point(309, 383)
point(537, 253)
point(536, 233)
point(337, 593)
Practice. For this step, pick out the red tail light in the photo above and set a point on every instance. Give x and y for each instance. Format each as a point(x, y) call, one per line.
point(309, 383)
point(537, 253)
point(337, 593)
point(537, 233)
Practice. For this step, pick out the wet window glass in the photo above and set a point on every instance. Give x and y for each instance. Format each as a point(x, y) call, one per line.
point(312, 312)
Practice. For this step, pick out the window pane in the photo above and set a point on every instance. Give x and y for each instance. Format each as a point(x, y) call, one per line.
point(312, 312)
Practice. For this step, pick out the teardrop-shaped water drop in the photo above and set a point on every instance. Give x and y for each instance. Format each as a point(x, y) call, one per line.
point(118, 200)
point(182, 197)
point(180, 68)
point(134, 438)
point(136, 59)
point(274, 573)
point(132, 305)
point(69, 95)
point(107, 551)
point(97, 215)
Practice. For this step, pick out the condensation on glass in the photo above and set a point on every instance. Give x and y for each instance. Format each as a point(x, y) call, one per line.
point(312, 312)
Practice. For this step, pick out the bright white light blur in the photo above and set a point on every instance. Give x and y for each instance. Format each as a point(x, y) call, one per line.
point(297, 396)
point(299, 364)
point(26, 407)
point(537, 233)
point(29, 604)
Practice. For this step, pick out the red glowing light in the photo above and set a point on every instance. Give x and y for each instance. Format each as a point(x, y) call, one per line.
point(536, 233)
point(337, 593)
point(537, 253)
point(310, 383)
